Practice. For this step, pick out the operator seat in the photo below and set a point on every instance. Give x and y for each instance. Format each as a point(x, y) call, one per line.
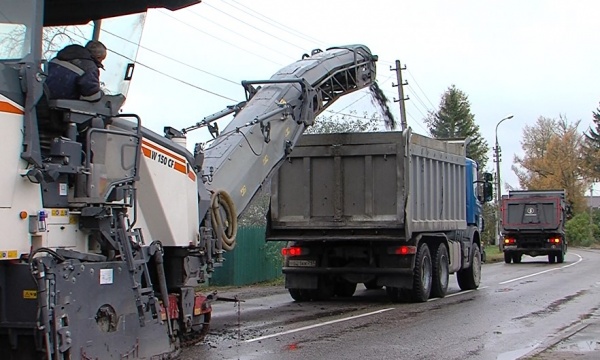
point(81, 111)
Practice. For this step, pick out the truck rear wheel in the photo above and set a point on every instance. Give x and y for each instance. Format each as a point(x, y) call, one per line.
point(507, 257)
point(344, 288)
point(325, 289)
point(517, 258)
point(560, 257)
point(372, 285)
point(468, 279)
point(301, 295)
point(551, 258)
point(422, 276)
point(398, 295)
point(441, 272)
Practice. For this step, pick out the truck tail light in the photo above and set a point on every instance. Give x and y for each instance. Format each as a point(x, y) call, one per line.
point(403, 250)
point(554, 240)
point(509, 241)
point(294, 251)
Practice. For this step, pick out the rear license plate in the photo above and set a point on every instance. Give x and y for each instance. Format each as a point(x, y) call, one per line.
point(302, 263)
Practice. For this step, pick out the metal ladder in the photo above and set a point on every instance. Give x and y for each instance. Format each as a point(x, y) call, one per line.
point(128, 240)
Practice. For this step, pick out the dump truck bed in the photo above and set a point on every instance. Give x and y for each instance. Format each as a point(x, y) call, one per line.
point(533, 211)
point(368, 186)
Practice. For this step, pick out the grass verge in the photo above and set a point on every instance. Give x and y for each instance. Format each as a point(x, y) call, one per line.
point(493, 254)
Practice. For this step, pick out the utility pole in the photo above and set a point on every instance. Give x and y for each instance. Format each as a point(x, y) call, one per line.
point(401, 98)
point(591, 213)
point(497, 159)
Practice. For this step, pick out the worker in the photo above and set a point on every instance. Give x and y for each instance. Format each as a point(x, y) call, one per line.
point(75, 72)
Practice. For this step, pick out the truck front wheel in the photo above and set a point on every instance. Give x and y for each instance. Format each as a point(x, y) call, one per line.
point(422, 275)
point(468, 279)
point(441, 272)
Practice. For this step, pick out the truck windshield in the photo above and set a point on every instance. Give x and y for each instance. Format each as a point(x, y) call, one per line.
point(16, 24)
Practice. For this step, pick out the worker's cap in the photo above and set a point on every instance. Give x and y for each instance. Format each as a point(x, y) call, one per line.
point(98, 51)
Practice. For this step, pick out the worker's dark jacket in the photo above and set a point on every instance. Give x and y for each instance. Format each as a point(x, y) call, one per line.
point(74, 74)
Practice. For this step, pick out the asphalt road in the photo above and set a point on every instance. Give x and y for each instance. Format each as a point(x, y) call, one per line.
point(520, 310)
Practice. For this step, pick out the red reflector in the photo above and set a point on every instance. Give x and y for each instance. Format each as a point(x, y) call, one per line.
point(291, 251)
point(405, 250)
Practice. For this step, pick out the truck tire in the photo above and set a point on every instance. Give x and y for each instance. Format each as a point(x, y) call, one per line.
point(441, 272)
point(372, 285)
point(301, 295)
point(344, 288)
point(422, 275)
point(398, 295)
point(507, 257)
point(517, 258)
point(468, 279)
point(560, 257)
point(325, 289)
point(551, 258)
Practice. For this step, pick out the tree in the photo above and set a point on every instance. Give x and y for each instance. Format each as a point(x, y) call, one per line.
point(591, 147)
point(455, 120)
point(489, 223)
point(553, 160)
point(579, 228)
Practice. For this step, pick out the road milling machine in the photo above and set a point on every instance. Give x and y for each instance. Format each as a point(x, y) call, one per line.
point(109, 228)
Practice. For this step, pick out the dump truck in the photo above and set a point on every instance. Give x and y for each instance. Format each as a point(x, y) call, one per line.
point(533, 223)
point(393, 209)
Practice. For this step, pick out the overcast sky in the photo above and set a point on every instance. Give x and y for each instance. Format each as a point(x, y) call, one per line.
point(526, 58)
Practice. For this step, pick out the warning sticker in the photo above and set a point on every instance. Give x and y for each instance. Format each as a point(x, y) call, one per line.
point(30, 294)
point(106, 276)
point(7, 255)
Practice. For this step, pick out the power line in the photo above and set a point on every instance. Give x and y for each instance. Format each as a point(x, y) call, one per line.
point(215, 37)
point(179, 80)
point(275, 23)
point(416, 83)
point(415, 80)
point(417, 122)
point(418, 97)
point(171, 58)
point(238, 34)
point(252, 26)
point(162, 73)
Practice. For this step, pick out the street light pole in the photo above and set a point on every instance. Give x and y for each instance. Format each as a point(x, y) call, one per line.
point(498, 183)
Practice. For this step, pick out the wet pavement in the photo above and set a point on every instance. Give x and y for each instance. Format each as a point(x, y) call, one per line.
point(579, 341)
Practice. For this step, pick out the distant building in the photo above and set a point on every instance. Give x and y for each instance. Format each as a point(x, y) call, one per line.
point(593, 201)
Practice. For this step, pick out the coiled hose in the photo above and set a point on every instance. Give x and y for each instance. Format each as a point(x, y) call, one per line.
point(225, 231)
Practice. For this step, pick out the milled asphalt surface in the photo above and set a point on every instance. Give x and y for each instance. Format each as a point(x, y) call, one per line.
point(580, 341)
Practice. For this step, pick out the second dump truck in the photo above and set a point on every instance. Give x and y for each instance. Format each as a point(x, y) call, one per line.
point(533, 224)
point(392, 209)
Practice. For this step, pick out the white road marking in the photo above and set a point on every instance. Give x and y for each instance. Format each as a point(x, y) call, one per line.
point(543, 272)
point(317, 325)
point(458, 293)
